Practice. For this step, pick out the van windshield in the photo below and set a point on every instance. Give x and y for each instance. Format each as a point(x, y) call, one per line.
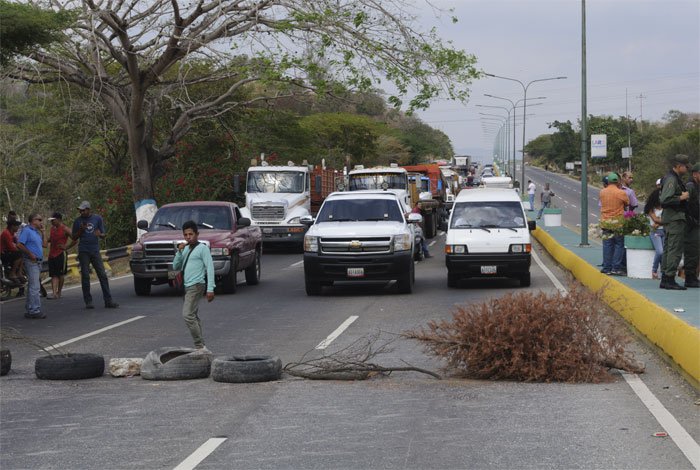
point(490, 214)
point(360, 210)
point(276, 182)
point(375, 180)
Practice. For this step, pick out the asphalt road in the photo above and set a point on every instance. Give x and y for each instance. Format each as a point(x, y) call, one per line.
point(405, 420)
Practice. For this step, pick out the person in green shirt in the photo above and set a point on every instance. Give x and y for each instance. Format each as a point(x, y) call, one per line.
point(674, 199)
point(195, 261)
point(692, 234)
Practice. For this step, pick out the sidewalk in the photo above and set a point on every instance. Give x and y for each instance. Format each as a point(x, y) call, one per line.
point(655, 312)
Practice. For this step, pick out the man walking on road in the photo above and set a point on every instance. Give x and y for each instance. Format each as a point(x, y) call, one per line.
point(674, 199)
point(531, 193)
point(691, 249)
point(612, 205)
point(31, 244)
point(197, 280)
point(88, 229)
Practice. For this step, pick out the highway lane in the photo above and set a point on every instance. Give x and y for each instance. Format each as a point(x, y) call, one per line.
point(401, 421)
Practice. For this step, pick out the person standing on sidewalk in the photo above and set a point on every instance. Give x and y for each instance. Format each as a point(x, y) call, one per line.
point(31, 244)
point(195, 261)
point(674, 199)
point(691, 250)
point(531, 193)
point(58, 259)
point(88, 229)
point(626, 183)
point(545, 199)
point(612, 205)
point(653, 210)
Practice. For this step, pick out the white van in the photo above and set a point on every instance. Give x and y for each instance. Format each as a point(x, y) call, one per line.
point(488, 236)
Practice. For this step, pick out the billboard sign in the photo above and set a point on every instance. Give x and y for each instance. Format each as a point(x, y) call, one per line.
point(599, 145)
point(626, 152)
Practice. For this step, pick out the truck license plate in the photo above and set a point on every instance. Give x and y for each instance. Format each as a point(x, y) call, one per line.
point(267, 230)
point(356, 272)
point(488, 270)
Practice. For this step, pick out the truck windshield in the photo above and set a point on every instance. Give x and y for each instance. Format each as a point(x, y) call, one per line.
point(206, 217)
point(276, 182)
point(360, 210)
point(490, 214)
point(375, 180)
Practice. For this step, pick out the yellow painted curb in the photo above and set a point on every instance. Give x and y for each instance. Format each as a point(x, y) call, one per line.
point(679, 340)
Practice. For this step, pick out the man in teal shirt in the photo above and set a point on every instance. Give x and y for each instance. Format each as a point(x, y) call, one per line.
point(195, 262)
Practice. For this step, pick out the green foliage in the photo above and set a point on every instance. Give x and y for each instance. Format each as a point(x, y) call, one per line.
point(636, 225)
point(25, 26)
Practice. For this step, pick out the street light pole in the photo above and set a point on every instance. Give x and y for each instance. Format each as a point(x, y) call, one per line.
point(584, 132)
point(507, 152)
point(525, 87)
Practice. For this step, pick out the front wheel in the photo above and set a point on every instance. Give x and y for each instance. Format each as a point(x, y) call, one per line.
point(228, 282)
point(525, 280)
point(142, 286)
point(452, 279)
point(312, 288)
point(252, 272)
point(407, 280)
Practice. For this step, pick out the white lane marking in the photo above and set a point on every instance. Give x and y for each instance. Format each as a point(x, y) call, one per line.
point(432, 243)
point(674, 429)
point(298, 263)
point(200, 454)
point(343, 326)
point(560, 287)
point(441, 233)
point(680, 436)
point(96, 332)
point(77, 286)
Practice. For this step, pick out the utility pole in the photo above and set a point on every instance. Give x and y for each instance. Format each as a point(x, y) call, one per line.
point(584, 133)
point(641, 115)
point(629, 141)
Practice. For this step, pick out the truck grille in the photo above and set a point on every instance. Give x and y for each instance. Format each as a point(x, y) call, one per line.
point(350, 246)
point(159, 250)
point(267, 212)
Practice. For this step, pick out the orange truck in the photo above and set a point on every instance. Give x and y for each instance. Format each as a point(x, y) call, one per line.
point(434, 210)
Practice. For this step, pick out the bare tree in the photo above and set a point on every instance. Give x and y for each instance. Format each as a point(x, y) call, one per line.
point(144, 59)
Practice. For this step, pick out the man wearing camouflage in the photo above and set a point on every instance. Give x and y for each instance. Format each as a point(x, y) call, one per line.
point(674, 199)
point(692, 232)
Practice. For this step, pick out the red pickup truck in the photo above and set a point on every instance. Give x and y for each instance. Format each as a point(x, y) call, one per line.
point(235, 245)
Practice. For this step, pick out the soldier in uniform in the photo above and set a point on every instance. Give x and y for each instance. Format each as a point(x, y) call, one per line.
point(674, 199)
point(692, 233)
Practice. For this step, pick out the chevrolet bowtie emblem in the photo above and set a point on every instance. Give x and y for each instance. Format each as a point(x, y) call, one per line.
point(355, 244)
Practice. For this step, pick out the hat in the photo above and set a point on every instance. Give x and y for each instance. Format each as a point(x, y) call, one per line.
point(658, 182)
point(612, 177)
point(696, 167)
point(84, 205)
point(56, 215)
point(681, 159)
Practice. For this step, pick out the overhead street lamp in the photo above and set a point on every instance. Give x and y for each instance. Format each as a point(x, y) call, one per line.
point(504, 122)
point(525, 87)
point(514, 105)
point(507, 130)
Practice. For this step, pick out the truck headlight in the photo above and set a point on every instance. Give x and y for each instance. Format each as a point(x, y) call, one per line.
point(456, 249)
point(137, 254)
point(311, 243)
point(525, 248)
point(294, 220)
point(219, 251)
point(402, 242)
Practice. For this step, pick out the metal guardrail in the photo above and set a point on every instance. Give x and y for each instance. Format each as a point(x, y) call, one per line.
point(107, 256)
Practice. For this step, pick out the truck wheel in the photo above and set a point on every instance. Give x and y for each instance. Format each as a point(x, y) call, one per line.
point(525, 280)
point(406, 282)
point(312, 288)
point(430, 225)
point(452, 279)
point(5, 361)
point(228, 282)
point(252, 272)
point(142, 286)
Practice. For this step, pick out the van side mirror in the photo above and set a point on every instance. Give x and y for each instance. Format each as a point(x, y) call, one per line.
point(243, 222)
point(142, 225)
point(531, 225)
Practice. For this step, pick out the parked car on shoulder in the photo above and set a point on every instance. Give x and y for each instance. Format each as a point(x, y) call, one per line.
point(235, 245)
point(488, 236)
point(365, 235)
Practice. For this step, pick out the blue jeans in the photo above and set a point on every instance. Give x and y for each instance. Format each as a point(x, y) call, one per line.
point(657, 239)
point(544, 206)
point(33, 301)
point(86, 259)
point(613, 253)
point(532, 201)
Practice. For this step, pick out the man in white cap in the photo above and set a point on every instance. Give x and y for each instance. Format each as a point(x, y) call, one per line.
point(88, 229)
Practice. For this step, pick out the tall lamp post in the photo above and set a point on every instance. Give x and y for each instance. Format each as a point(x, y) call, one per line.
point(525, 87)
point(584, 132)
point(508, 130)
point(495, 117)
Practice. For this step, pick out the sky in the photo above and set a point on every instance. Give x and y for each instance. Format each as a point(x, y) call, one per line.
point(647, 49)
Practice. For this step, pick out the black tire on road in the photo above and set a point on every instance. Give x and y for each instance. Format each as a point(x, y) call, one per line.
point(5, 361)
point(176, 364)
point(525, 280)
point(429, 225)
point(228, 282)
point(452, 279)
point(312, 288)
point(246, 369)
point(72, 366)
point(405, 283)
point(252, 272)
point(142, 286)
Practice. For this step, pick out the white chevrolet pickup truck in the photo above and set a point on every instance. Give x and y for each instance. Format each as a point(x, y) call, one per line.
point(360, 236)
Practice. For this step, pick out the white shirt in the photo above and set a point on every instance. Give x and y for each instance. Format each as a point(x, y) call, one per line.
point(531, 188)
